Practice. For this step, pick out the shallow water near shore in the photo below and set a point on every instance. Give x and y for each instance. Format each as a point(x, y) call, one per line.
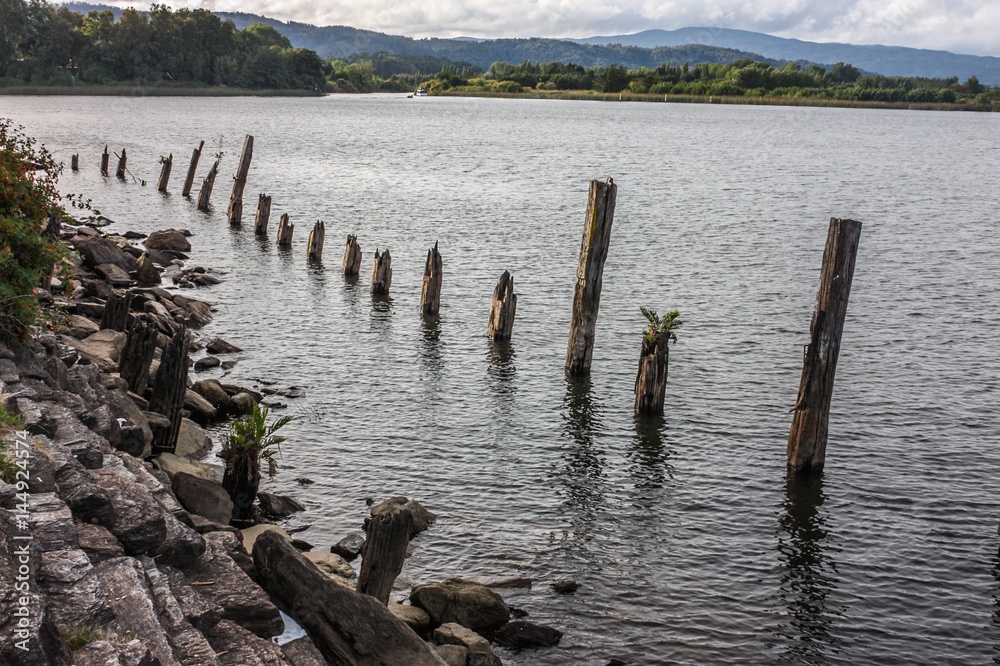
point(688, 543)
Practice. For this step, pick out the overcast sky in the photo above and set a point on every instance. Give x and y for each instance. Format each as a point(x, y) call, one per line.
point(962, 26)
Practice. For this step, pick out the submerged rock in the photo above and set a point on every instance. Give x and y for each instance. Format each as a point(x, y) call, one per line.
point(469, 604)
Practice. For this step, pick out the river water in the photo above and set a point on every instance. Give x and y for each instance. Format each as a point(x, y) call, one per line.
point(688, 542)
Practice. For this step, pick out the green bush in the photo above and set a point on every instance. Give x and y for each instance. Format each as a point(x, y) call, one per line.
point(509, 87)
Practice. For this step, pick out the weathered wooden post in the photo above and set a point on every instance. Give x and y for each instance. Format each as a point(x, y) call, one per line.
point(116, 309)
point(352, 257)
point(168, 164)
point(74, 162)
point(651, 380)
point(382, 556)
point(315, 244)
point(169, 390)
point(235, 209)
point(381, 273)
point(263, 215)
point(807, 439)
point(593, 253)
point(189, 180)
point(105, 159)
point(206, 187)
point(285, 229)
point(503, 309)
point(136, 357)
point(430, 294)
point(122, 160)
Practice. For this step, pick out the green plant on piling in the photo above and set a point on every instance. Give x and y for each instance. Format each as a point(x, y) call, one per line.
point(250, 444)
point(661, 326)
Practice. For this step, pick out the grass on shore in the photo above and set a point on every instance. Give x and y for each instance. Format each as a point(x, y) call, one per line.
point(126, 90)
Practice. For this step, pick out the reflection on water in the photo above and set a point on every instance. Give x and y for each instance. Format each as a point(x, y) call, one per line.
point(381, 315)
point(351, 291)
point(501, 357)
point(584, 461)
point(650, 455)
point(809, 573)
point(996, 608)
point(431, 347)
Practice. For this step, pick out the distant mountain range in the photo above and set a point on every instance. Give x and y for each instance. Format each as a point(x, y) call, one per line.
point(643, 49)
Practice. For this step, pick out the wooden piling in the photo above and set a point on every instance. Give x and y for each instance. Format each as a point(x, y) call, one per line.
point(384, 551)
point(808, 435)
point(169, 390)
point(381, 273)
point(430, 294)
point(122, 160)
point(315, 245)
point(74, 162)
point(593, 253)
point(285, 229)
point(651, 380)
point(206, 187)
point(116, 309)
point(504, 306)
point(168, 164)
point(189, 180)
point(352, 257)
point(263, 215)
point(136, 357)
point(105, 159)
point(235, 210)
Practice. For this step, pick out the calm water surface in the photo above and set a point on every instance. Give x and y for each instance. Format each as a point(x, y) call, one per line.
point(689, 544)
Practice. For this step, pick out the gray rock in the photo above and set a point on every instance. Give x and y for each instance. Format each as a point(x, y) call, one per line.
point(231, 540)
point(244, 402)
point(189, 645)
point(135, 430)
point(196, 313)
point(91, 353)
point(29, 364)
point(470, 604)
point(506, 582)
point(115, 276)
point(453, 655)
point(251, 534)
point(564, 585)
point(202, 614)
point(279, 506)
point(98, 543)
point(206, 363)
point(519, 635)
point(146, 271)
point(238, 647)
point(108, 343)
point(66, 429)
point(220, 346)
point(140, 524)
point(480, 652)
point(203, 497)
point(212, 391)
point(8, 372)
point(51, 522)
point(202, 411)
point(107, 653)
point(349, 547)
point(88, 501)
point(78, 327)
point(192, 441)
point(74, 593)
point(303, 652)
point(172, 464)
point(415, 618)
point(168, 240)
point(96, 251)
point(334, 567)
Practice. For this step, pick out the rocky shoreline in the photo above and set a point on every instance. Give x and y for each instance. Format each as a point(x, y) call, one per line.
point(111, 556)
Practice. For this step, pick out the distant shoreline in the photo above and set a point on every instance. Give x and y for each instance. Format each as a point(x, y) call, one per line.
point(153, 91)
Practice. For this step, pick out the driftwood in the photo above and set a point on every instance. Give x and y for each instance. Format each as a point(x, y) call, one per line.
point(352, 256)
point(206, 187)
point(122, 161)
point(381, 273)
point(74, 162)
point(235, 210)
point(430, 294)
point(169, 390)
point(116, 309)
point(384, 551)
point(593, 253)
point(263, 215)
point(504, 306)
point(348, 628)
point(189, 180)
point(651, 380)
point(105, 159)
point(285, 229)
point(168, 164)
point(315, 245)
point(136, 357)
point(808, 435)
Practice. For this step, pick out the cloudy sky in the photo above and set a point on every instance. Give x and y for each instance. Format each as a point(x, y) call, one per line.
point(964, 26)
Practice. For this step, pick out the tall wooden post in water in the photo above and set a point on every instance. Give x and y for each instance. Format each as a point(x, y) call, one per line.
point(315, 244)
point(206, 187)
point(189, 181)
point(105, 159)
point(807, 439)
point(352, 257)
point(74, 162)
point(235, 210)
point(501, 322)
point(593, 253)
point(430, 293)
point(168, 163)
point(381, 273)
point(285, 230)
point(263, 215)
point(122, 160)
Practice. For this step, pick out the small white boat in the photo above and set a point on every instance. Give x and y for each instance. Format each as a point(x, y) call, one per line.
point(420, 93)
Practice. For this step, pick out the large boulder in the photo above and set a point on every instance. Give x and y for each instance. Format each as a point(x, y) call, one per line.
point(192, 441)
point(202, 411)
point(333, 566)
point(173, 464)
point(251, 534)
point(212, 391)
point(519, 635)
point(168, 240)
point(470, 604)
point(203, 497)
point(146, 270)
point(303, 652)
point(235, 646)
point(279, 506)
point(78, 327)
point(74, 592)
point(98, 543)
point(107, 343)
point(480, 652)
point(96, 251)
point(139, 525)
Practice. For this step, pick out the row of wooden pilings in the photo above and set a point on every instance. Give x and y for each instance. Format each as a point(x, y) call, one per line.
point(807, 439)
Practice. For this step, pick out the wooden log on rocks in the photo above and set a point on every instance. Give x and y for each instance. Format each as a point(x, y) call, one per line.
point(504, 306)
point(206, 187)
point(348, 628)
point(74, 162)
point(285, 229)
point(116, 309)
point(105, 159)
point(263, 215)
point(169, 390)
point(315, 245)
point(122, 161)
point(384, 552)
point(352, 257)
point(168, 163)
point(235, 210)
point(381, 273)
point(189, 180)
point(430, 294)
point(137, 355)
point(593, 253)
point(810, 425)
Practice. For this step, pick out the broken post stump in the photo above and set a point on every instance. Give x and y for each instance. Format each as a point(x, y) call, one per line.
point(206, 187)
point(504, 306)
point(382, 556)
point(430, 294)
point(137, 355)
point(235, 209)
point(169, 390)
point(593, 253)
point(105, 159)
point(352, 257)
point(122, 160)
point(263, 215)
point(116, 309)
point(74, 162)
point(651, 380)
point(315, 245)
point(189, 180)
point(168, 164)
point(808, 435)
point(285, 229)
point(381, 273)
